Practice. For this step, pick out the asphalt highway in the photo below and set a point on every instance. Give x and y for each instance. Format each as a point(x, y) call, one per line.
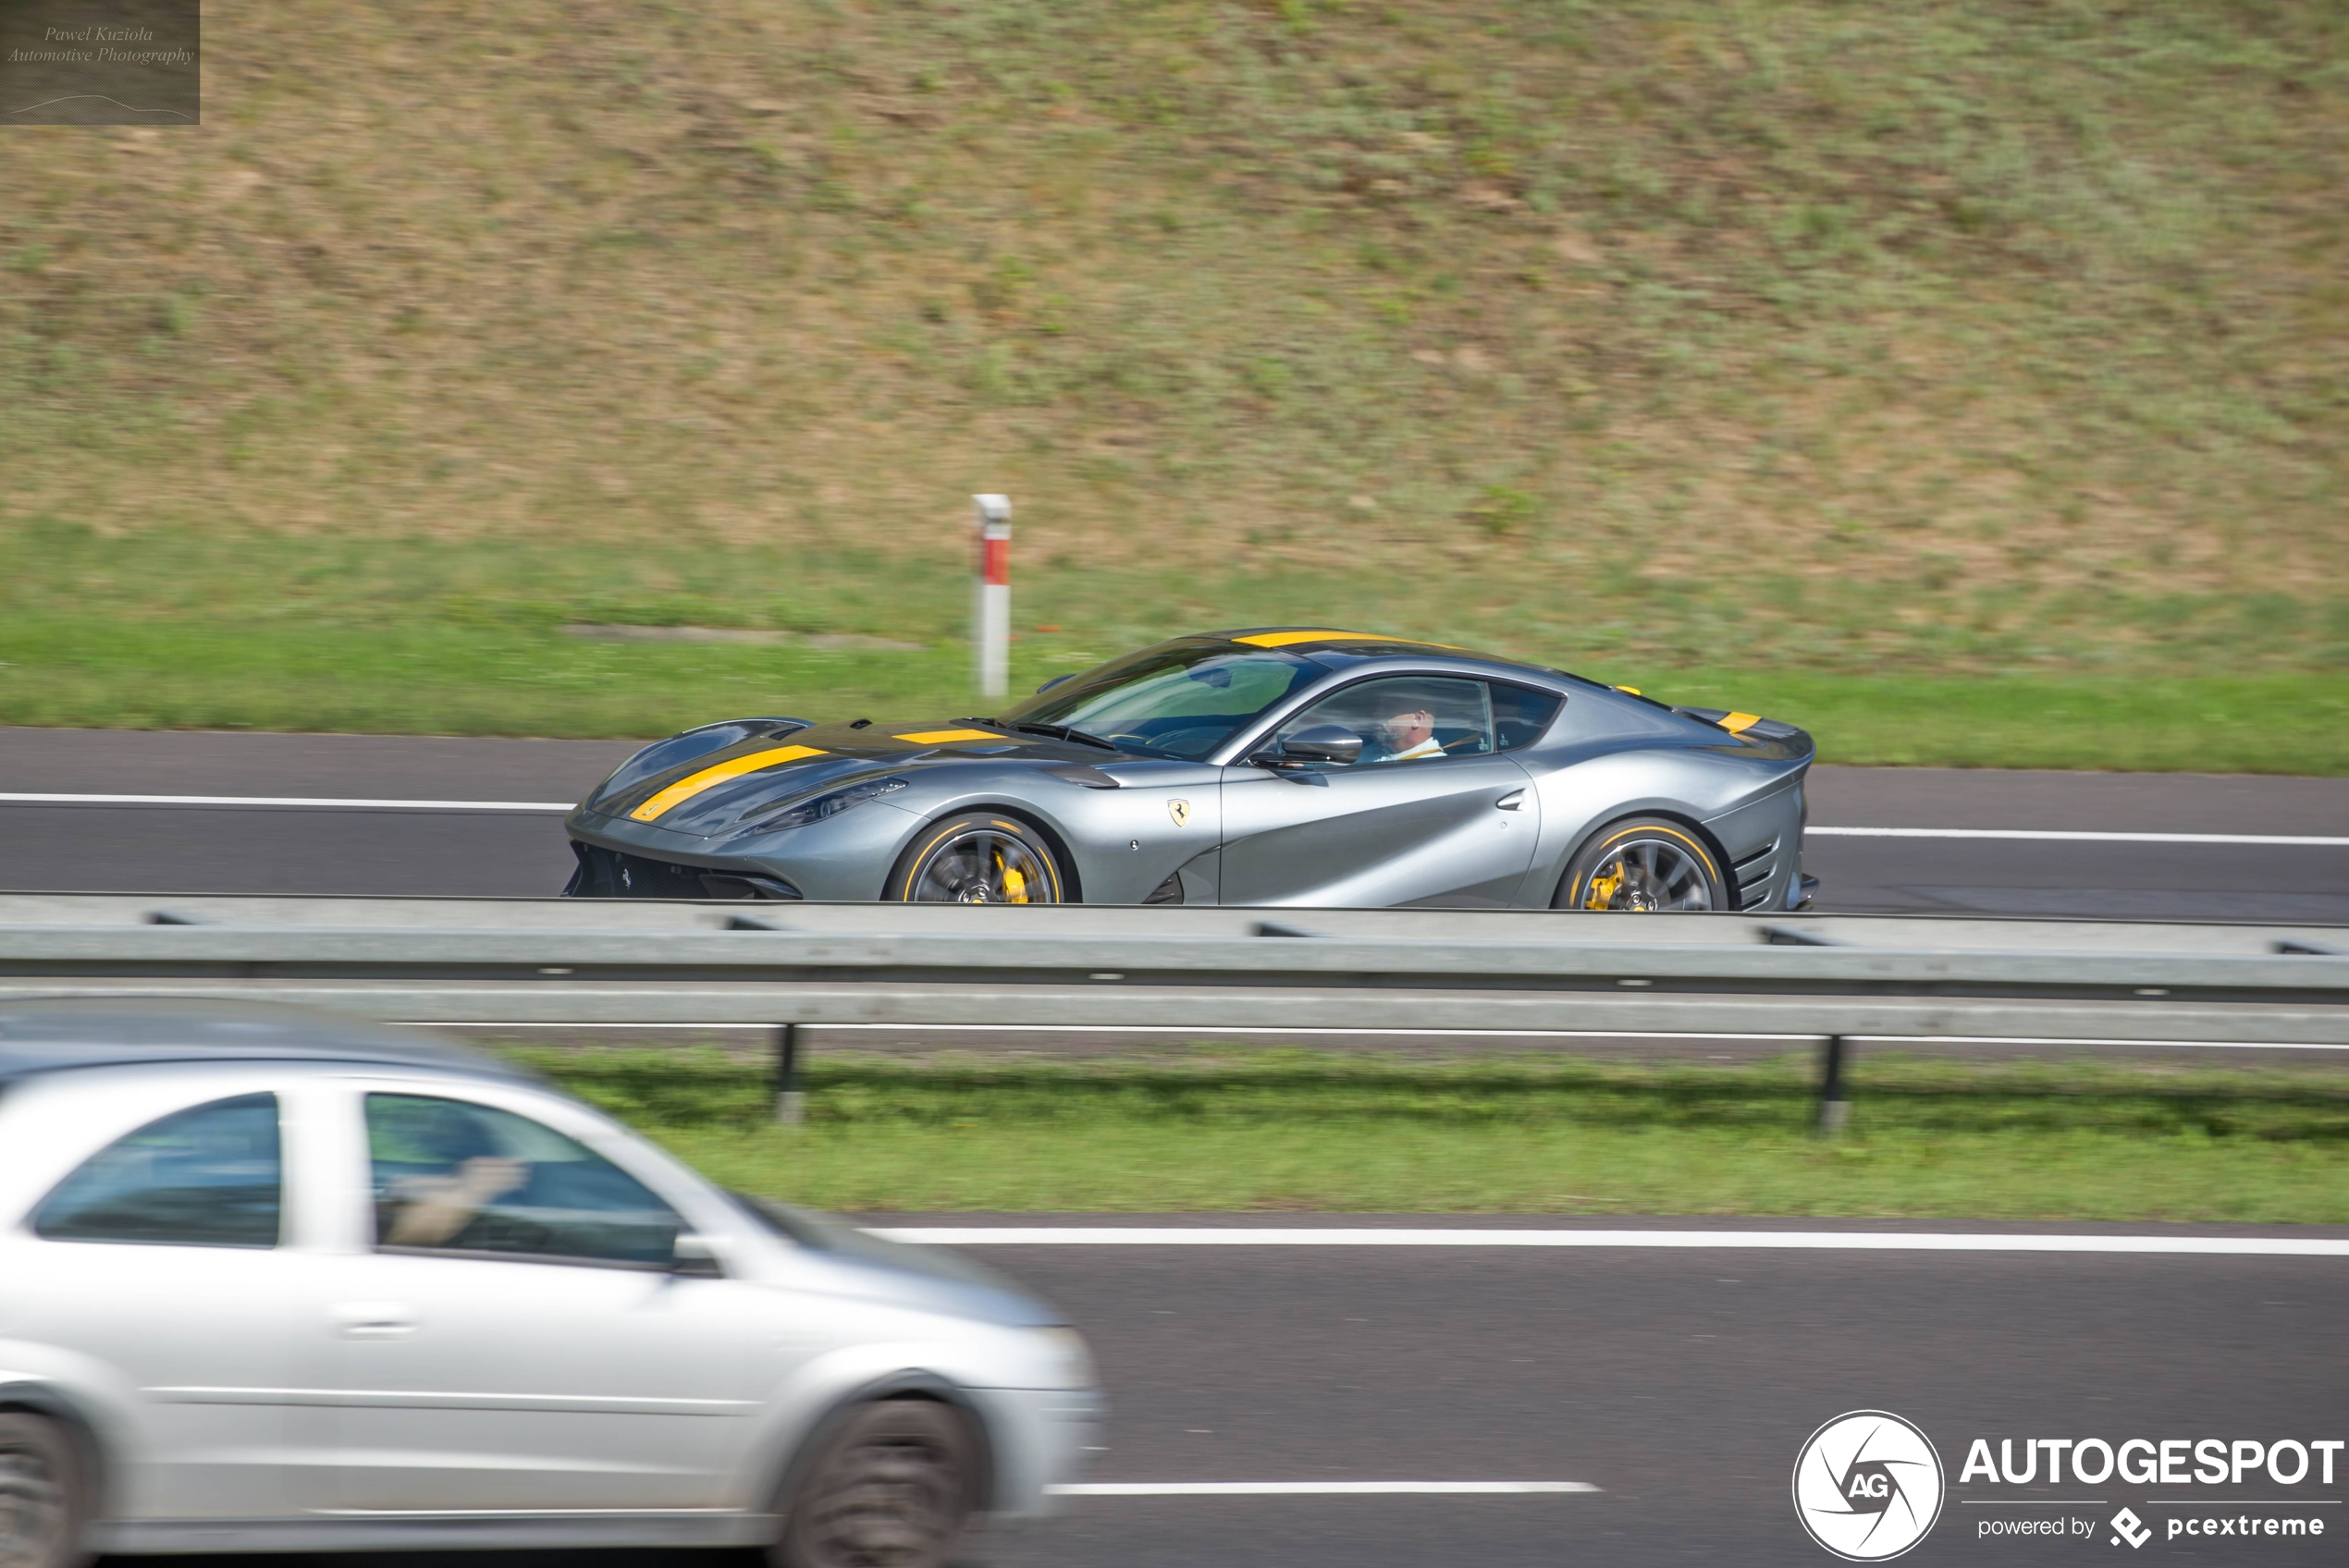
point(1679, 1384)
point(107, 846)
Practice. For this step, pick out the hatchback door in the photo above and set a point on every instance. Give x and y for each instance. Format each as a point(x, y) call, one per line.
point(1429, 813)
point(515, 1338)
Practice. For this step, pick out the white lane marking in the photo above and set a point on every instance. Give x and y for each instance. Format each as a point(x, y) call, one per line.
point(327, 803)
point(2066, 835)
point(22, 798)
point(1804, 1240)
point(1307, 1488)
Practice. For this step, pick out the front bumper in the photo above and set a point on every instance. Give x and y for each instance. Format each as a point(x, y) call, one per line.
point(1040, 1439)
point(842, 859)
point(611, 873)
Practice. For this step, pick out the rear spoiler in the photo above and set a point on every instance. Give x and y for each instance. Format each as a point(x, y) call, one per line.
point(1743, 724)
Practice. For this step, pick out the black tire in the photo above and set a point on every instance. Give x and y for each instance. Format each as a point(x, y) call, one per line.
point(977, 857)
point(45, 1500)
point(1642, 863)
point(893, 1487)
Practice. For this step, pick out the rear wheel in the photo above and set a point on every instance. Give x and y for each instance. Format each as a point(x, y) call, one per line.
point(1642, 863)
point(891, 1489)
point(978, 858)
point(44, 1494)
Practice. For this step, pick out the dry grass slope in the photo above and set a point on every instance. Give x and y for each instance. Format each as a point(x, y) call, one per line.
point(2009, 335)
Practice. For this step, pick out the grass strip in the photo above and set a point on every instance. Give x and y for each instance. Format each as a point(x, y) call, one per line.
point(440, 680)
point(1222, 1130)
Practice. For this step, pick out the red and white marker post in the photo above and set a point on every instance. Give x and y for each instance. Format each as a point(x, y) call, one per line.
point(992, 612)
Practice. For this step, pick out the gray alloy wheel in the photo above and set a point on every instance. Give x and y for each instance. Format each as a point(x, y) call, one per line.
point(45, 1501)
point(892, 1488)
point(978, 858)
point(1642, 863)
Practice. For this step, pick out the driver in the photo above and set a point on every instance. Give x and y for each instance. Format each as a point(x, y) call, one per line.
point(430, 1211)
point(1405, 724)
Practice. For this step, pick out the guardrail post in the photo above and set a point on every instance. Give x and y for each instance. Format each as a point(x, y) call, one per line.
point(1835, 1111)
point(791, 1102)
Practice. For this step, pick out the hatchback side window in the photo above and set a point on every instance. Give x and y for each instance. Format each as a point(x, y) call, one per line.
point(1410, 718)
point(453, 1177)
point(1521, 714)
point(211, 1176)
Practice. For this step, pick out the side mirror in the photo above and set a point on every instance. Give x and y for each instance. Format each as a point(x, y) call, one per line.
point(694, 1258)
point(1323, 742)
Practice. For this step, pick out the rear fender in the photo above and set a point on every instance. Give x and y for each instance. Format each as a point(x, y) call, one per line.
point(1584, 795)
point(101, 1422)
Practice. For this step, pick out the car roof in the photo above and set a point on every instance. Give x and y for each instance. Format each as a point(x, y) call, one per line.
point(48, 1035)
point(1371, 646)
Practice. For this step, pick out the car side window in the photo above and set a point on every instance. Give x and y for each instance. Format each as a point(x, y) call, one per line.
point(1406, 718)
point(453, 1177)
point(211, 1176)
point(1521, 714)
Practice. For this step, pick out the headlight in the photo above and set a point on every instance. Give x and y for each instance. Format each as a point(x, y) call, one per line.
point(799, 815)
point(1073, 1361)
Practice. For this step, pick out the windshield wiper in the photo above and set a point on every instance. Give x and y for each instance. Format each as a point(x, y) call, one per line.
point(1063, 732)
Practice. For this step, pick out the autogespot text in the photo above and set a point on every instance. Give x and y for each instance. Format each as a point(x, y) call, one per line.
point(2148, 1462)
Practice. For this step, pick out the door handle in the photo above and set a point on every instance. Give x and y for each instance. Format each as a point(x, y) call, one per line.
point(373, 1319)
point(1510, 802)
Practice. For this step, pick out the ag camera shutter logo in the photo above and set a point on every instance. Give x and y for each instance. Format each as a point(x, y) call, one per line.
point(1869, 1485)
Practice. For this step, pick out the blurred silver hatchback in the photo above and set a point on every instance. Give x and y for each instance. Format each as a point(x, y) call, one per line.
point(273, 1282)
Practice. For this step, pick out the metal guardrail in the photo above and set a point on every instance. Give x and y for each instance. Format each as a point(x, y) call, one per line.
point(1827, 977)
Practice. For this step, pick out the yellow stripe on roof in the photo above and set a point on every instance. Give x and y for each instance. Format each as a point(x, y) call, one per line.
point(1283, 639)
point(1739, 723)
point(693, 784)
point(940, 737)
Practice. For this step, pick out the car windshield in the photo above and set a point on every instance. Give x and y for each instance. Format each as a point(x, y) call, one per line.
point(1177, 700)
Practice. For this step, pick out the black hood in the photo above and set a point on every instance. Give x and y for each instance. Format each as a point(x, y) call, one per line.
point(710, 780)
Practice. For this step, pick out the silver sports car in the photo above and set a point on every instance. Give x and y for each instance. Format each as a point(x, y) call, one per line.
point(1277, 765)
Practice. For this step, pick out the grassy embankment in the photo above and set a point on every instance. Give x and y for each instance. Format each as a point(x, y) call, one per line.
point(1301, 1131)
point(1968, 379)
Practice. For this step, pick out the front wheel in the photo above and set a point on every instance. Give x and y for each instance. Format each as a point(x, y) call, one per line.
point(891, 1489)
point(1642, 863)
point(44, 1496)
point(978, 858)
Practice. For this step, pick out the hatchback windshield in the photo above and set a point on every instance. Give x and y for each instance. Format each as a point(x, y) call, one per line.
point(1179, 699)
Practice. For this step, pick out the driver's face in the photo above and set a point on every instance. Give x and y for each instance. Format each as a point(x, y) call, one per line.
point(1405, 731)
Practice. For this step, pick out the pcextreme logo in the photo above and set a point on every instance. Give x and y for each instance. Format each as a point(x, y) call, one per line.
point(1869, 1485)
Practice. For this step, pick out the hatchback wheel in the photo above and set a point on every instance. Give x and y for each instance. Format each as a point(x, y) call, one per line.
point(978, 858)
point(1642, 863)
point(891, 1489)
point(44, 1498)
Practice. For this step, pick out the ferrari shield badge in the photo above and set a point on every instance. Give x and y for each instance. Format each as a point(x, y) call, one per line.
point(1180, 811)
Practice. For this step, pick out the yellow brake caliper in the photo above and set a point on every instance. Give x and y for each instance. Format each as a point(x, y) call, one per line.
point(1015, 884)
point(1604, 887)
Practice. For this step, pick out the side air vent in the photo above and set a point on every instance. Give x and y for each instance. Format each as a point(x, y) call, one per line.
point(1753, 876)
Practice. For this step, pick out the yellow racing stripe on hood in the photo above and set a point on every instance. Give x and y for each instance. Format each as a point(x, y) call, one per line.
point(693, 784)
point(1739, 723)
point(942, 737)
